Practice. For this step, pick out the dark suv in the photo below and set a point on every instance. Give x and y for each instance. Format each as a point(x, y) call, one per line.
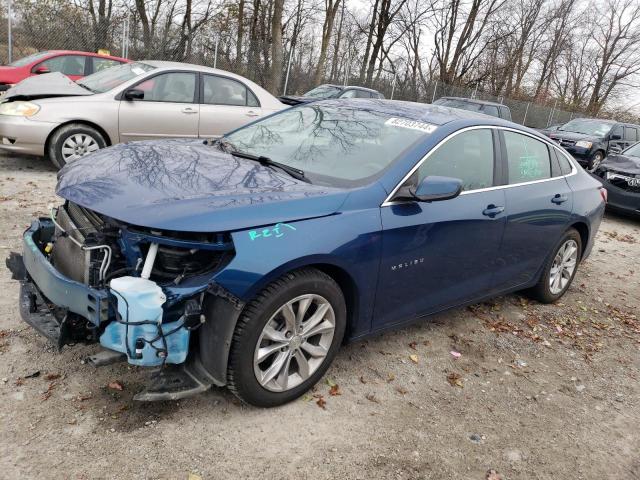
point(326, 91)
point(488, 108)
point(589, 140)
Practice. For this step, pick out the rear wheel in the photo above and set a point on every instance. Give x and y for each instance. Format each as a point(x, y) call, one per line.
point(560, 269)
point(286, 339)
point(73, 141)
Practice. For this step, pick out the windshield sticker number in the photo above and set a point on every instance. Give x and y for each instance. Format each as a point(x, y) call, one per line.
point(277, 231)
point(412, 124)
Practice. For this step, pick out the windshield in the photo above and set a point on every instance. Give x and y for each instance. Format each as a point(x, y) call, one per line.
point(323, 91)
point(110, 78)
point(633, 151)
point(27, 60)
point(597, 128)
point(454, 103)
point(333, 145)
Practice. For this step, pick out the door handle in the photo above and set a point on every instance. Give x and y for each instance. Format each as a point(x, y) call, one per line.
point(492, 210)
point(558, 198)
point(189, 110)
point(251, 113)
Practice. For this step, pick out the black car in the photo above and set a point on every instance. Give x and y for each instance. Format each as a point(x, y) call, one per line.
point(328, 90)
point(620, 175)
point(488, 108)
point(589, 140)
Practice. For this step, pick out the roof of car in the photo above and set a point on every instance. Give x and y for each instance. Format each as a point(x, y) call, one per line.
point(601, 120)
point(80, 52)
point(434, 114)
point(473, 100)
point(344, 87)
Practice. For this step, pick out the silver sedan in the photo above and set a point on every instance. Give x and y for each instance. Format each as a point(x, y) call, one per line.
point(50, 115)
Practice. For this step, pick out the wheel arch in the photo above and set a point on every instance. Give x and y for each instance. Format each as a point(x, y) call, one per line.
point(222, 315)
point(88, 123)
point(583, 230)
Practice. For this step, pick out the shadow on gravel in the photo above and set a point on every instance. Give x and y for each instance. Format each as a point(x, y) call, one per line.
point(12, 163)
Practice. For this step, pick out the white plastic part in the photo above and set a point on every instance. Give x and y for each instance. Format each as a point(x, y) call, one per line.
point(148, 262)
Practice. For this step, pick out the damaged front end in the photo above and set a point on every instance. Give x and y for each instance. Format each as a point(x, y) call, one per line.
point(620, 175)
point(140, 293)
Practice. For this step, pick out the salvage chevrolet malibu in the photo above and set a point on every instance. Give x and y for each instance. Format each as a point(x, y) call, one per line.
point(247, 261)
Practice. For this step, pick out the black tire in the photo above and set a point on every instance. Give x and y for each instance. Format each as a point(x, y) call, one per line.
point(595, 160)
point(241, 378)
point(542, 290)
point(64, 133)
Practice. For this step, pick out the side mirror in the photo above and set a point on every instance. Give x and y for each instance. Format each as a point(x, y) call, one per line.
point(134, 94)
point(431, 189)
point(41, 69)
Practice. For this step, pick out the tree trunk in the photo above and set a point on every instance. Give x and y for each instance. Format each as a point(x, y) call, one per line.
point(275, 77)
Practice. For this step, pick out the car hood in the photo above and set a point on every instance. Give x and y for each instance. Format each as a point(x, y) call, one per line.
point(189, 186)
point(561, 134)
point(53, 84)
point(621, 163)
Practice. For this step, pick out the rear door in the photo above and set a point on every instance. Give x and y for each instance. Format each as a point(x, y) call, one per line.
point(168, 109)
point(440, 254)
point(538, 207)
point(226, 104)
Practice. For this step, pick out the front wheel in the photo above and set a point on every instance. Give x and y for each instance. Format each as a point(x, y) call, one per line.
point(560, 268)
point(73, 141)
point(286, 338)
point(595, 160)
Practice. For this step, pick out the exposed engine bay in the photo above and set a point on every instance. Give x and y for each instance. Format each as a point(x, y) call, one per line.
point(137, 292)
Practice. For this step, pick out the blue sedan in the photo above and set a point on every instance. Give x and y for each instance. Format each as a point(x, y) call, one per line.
point(247, 261)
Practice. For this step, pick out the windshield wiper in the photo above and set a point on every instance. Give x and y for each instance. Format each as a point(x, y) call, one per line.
point(294, 172)
point(85, 87)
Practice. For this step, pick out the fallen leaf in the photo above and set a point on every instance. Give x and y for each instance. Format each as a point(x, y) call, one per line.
point(362, 380)
point(33, 375)
point(454, 379)
point(391, 377)
point(413, 345)
point(335, 390)
point(493, 475)
point(372, 398)
point(194, 476)
point(414, 358)
point(321, 402)
point(401, 390)
point(331, 383)
point(307, 398)
point(52, 376)
point(115, 385)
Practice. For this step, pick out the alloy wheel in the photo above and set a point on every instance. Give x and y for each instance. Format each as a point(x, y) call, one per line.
point(77, 146)
point(563, 266)
point(294, 342)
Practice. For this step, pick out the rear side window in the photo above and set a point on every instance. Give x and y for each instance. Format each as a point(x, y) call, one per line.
point(563, 161)
point(490, 110)
point(505, 113)
point(630, 134)
point(225, 91)
point(103, 63)
point(467, 156)
point(527, 158)
point(349, 94)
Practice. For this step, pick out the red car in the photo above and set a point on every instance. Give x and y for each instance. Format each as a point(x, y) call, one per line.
point(73, 64)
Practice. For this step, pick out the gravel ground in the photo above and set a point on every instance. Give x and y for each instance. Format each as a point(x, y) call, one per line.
point(537, 391)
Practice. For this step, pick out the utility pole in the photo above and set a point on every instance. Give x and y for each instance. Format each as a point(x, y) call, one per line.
point(286, 78)
point(10, 38)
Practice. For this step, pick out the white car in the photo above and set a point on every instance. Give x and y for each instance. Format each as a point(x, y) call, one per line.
point(54, 116)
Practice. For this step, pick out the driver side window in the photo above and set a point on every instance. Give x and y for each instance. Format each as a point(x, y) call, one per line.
point(467, 156)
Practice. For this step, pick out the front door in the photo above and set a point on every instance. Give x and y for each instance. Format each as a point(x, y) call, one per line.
point(227, 104)
point(168, 109)
point(440, 254)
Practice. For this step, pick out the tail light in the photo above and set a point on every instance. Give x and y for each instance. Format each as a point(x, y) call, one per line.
point(604, 194)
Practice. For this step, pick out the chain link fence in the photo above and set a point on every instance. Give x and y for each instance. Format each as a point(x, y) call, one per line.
point(36, 25)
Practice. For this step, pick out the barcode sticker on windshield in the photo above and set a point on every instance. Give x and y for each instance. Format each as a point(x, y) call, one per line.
point(412, 124)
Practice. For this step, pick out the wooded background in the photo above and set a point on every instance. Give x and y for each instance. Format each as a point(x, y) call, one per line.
point(553, 58)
